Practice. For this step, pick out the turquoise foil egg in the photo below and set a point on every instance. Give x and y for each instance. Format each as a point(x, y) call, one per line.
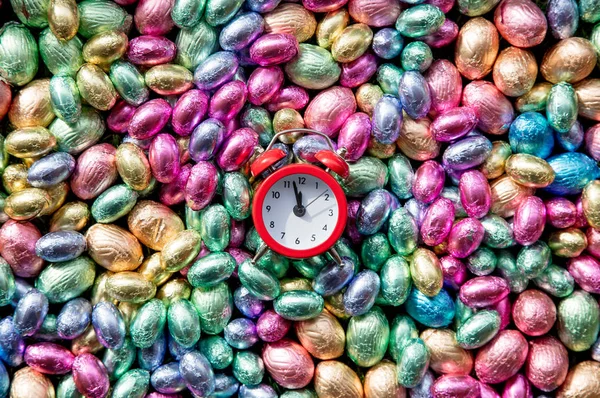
point(434, 312)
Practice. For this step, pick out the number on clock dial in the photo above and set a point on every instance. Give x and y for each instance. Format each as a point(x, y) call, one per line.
point(315, 226)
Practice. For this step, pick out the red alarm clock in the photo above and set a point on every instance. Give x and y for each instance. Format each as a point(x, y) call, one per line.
point(300, 210)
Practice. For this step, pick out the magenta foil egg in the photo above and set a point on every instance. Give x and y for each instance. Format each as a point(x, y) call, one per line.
point(547, 363)
point(273, 49)
point(495, 111)
point(502, 357)
point(560, 212)
point(445, 86)
point(593, 238)
point(534, 313)
point(354, 135)
point(437, 222)
point(503, 307)
point(328, 111)
point(96, 170)
point(201, 185)
point(149, 119)
point(151, 50)
point(263, 83)
point(428, 182)
point(359, 71)
point(237, 149)
point(454, 124)
point(49, 358)
point(153, 17)
point(323, 5)
point(445, 35)
point(119, 117)
point(376, 13)
point(487, 391)
point(465, 237)
point(444, 5)
point(90, 376)
point(163, 157)
point(462, 386)
point(454, 271)
point(288, 363)
point(520, 22)
point(475, 193)
point(271, 326)
point(586, 272)
point(529, 220)
point(173, 193)
point(228, 101)
point(592, 141)
point(189, 110)
point(17, 247)
point(293, 97)
point(517, 387)
point(483, 291)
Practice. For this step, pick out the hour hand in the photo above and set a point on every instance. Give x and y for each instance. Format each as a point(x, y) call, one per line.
point(299, 208)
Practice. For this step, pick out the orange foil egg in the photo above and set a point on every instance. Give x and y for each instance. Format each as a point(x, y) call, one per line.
point(495, 111)
point(570, 60)
point(521, 22)
point(113, 247)
point(380, 381)
point(292, 19)
point(476, 48)
point(29, 383)
point(507, 195)
point(288, 363)
point(154, 224)
point(447, 357)
point(583, 381)
point(322, 336)
point(515, 71)
point(547, 363)
point(31, 106)
point(375, 12)
point(416, 140)
point(334, 379)
point(588, 98)
point(5, 99)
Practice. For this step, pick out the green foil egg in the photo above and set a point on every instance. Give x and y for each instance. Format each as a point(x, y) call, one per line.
point(4, 157)
point(7, 283)
point(66, 388)
point(401, 176)
point(183, 323)
point(61, 282)
point(237, 195)
point(248, 368)
point(129, 82)
point(388, 76)
point(462, 312)
point(413, 363)
point(148, 323)
point(403, 331)
point(478, 329)
point(474, 8)
point(578, 321)
point(182, 250)
point(33, 13)
point(259, 281)
point(395, 280)
point(498, 232)
point(304, 393)
point(375, 250)
point(561, 109)
point(589, 10)
point(114, 203)
point(216, 225)
point(420, 20)
point(259, 120)
point(77, 137)
point(211, 270)
point(299, 305)
point(507, 267)
point(310, 267)
point(313, 68)
point(416, 56)
point(187, 13)
point(366, 174)
point(217, 351)
point(556, 281)
point(403, 232)
point(482, 261)
point(18, 54)
point(218, 12)
point(214, 305)
point(97, 16)
point(533, 260)
point(61, 57)
point(276, 264)
point(195, 44)
point(65, 99)
point(118, 362)
point(133, 384)
point(367, 337)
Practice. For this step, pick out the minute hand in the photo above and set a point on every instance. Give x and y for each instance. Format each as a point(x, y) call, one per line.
point(313, 201)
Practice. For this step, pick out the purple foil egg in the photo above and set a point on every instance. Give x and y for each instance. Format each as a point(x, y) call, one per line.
point(560, 212)
point(263, 83)
point(201, 185)
point(149, 119)
point(237, 233)
point(445, 35)
point(414, 94)
point(272, 327)
point(387, 119)
point(444, 5)
point(49, 358)
point(428, 182)
point(151, 50)
point(163, 157)
point(465, 237)
point(274, 49)
point(228, 101)
point(237, 149)
point(586, 272)
point(96, 170)
point(462, 386)
point(354, 135)
point(293, 97)
point(17, 247)
point(328, 111)
point(242, 30)
point(483, 291)
point(206, 139)
point(90, 376)
point(174, 192)
point(517, 387)
point(119, 117)
point(359, 71)
point(307, 146)
point(217, 69)
point(189, 111)
point(437, 222)
point(351, 229)
point(529, 220)
point(454, 124)
point(475, 193)
point(445, 85)
point(153, 17)
point(454, 271)
point(323, 5)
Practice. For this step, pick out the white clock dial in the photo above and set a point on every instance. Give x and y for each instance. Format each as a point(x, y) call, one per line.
point(293, 229)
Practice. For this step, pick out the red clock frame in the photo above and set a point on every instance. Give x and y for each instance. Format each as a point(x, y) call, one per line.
point(259, 198)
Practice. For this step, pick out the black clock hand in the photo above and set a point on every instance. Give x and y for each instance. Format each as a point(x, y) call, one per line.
point(299, 210)
point(313, 201)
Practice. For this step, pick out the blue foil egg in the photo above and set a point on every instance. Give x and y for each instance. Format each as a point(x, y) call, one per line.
point(175, 349)
point(361, 293)
point(216, 70)
point(206, 139)
point(22, 286)
point(12, 345)
point(334, 277)
point(259, 391)
point(109, 325)
point(306, 147)
point(387, 43)
point(30, 312)
point(51, 170)
point(241, 333)
point(60, 246)
point(4, 381)
point(467, 153)
point(241, 31)
point(563, 18)
point(572, 139)
point(573, 170)
point(152, 357)
point(197, 373)
point(167, 380)
point(247, 303)
point(530, 133)
point(262, 5)
point(414, 94)
point(74, 317)
point(433, 312)
point(387, 119)
point(375, 210)
point(225, 386)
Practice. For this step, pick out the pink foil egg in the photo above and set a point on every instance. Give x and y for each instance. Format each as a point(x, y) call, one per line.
point(149, 119)
point(529, 220)
point(475, 193)
point(163, 157)
point(502, 357)
point(495, 111)
point(428, 182)
point(359, 71)
point(188, 112)
point(444, 5)
point(49, 358)
point(547, 363)
point(560, 212)
point(586, 272)
point(323, 5)
point(580, 220)
point(119, 117)
point(293, 97)
point(376, 13)
point(437, 222)
point(487, 391)
point(463, 386)
point(445, 35)
point(264, 83)
point(228, 101)
point(354, 135)
point(96, 170)
point(328, 111)
point(483, 291)
point(445, 86)
point(201, 185)
point(90, 376)
point(153, 17)
point(454, 271)
point(534, 313)
point(288, 363)
point(271, 326)
point(520, 22)
point(454, 124)
point(517, 387)
point(174, 192)
point(465, 237)
point(237, 149)
point(17, 247)
point(592, 141)
point(273, 49)
point(593, 238)
point(151, 50)
point(503, 308)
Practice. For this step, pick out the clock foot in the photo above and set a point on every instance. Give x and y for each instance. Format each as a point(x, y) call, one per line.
point(259, 253)
point(335, 255)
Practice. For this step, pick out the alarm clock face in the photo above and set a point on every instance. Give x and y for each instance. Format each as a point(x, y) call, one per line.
point(302, 211)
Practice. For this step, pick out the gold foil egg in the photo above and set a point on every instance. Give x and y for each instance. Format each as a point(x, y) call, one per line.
point(583, 381)
point(476, 48)
point(535, 99)
point(99, 292)
point(416, 140)
point(367, 97)
point(95, 87)
point(447, 357)
point(26, 204)
point(323, 336)
point(286, 119)
point(182, 250)
point(426, 272)
point(588, 98)
point(569, 242)
point(31, 106)
point(493, 166)
point(58, 195)
point(570, 60)
point(380, 381)
point(290, 284)
point(73, 216)
point(130, 287)
point(169, 79)
point(87, 342)
point(154, 224)
point(14, 178)
point(174, 290)
point(105, 47)
point(133, 166)
point(29, 142)
point(351, 43)
point(63, 18)
point(113, 247)
point(331, 26)
point(334, 379)
point(29, 383)
point(515, 71)
point(529, 170)
point(590, 199)
point(293, 19)
point(153, 269)
point(507, 195)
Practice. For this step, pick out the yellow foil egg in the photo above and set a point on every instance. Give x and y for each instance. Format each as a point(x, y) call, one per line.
point(529, 170)
point(590, 199)
point(476, 48)
point(335, 305)
point(334, 379)
point(290, 284)
point(95, 87)
point(570, 60)
point(29, 383)
point(416, 140)
point(569, 243)
point(154, 224)
point(322, 336)
point(153, 270)
point(99, 292)
point(515, 71)
point(286, 119)
point(583, 381)
point(426, 272)
point(447, 357)
point(507, 195)
point(588, 98)
point(351, 43)
point(26, 204)
point(493, 166)
point(379, 150)
point(169, 79)
point(367, 97)
point(173, 290)
point(133, 166)
point(87, 342)
point(63, 18)
point(14, 178)
point(331, 26)
point(292, 19)
point(73, 216)
point(182, 250)
point(31, 106)
point(535, 99)
point(105, 47)
point(58, 195)
point(128, 311)
point(29, 142)
point(131, 287)
point(380, 381)
point(113, 247)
